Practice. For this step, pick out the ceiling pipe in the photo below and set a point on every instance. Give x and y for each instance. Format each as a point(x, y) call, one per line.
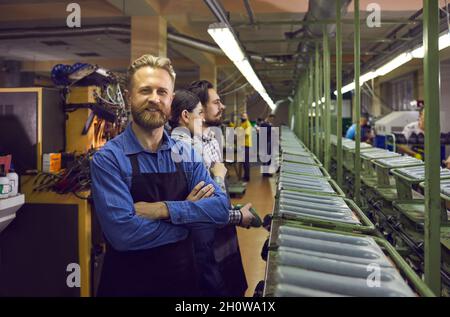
point(219, 12)
point(251, 15)
point(20, 33)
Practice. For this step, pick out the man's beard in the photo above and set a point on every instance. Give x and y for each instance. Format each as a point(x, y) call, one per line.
point(149, 120)
point(215, 122)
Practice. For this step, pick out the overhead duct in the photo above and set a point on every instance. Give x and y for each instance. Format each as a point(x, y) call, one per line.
point(317, 10)
point(323, 10)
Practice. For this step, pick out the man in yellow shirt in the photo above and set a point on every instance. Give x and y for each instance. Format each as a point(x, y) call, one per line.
point(247, 126)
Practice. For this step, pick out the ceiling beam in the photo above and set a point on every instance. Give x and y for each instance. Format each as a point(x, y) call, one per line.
point(56, 11)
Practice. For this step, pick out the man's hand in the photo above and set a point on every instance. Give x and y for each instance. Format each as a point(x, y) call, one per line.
point(201, 191)
point(447, 162)
point(247, 216)
point(219, 169)
point(153, 211)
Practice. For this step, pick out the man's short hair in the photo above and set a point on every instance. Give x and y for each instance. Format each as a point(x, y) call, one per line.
point(200, 88)
point(153, 62)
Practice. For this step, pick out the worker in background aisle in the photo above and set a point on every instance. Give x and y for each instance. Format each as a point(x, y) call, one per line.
point(366, 131)
point(416, 149)
point(226, 245)
point(247, 126)
point(414, 128)
point(187, 121)
point(136, 183)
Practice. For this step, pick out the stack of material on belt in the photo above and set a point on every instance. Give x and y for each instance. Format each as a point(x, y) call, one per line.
point(316, 246)
point(378, 153)
point(293, 168)
point(300, 159)
point(418, 172)
point(400, 161)
point(305, 183)
point(351, 145)
point(296, 204)
point(317, 263)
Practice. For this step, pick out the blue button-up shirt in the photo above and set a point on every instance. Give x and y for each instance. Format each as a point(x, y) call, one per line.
point(111, 175)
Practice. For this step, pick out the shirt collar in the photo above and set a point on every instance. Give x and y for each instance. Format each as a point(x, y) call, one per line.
point(181, 133)
point(208, 135)
point(131, 144)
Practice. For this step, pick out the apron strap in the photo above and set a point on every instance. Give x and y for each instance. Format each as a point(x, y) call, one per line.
point(179, 167)
point(137, 171)
point(135, 165)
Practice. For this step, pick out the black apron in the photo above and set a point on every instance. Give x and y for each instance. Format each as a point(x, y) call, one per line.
point(167, 270)
point(228, 256)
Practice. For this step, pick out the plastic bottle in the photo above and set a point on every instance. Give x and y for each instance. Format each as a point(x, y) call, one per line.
point(13, 182)
point(5, 187)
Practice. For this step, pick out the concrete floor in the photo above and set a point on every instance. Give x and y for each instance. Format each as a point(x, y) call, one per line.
point(260, 194)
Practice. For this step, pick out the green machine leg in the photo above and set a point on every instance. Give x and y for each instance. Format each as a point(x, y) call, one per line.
point(327, 80)
point(357, 55)
point(339, 93)
point(432, 145)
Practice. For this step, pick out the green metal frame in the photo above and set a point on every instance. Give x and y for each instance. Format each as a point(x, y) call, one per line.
point(340, 170)
point(317, 98)
point(310, 108)
point(432, 145)
point(383, 172)
point(357, 61)
point(327, 84)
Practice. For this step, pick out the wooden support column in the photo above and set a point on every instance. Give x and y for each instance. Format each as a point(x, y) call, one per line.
point(148, 36)
point(209, 72)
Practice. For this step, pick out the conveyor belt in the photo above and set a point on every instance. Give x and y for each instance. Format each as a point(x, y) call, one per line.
point(298, 159)
point(417, 173)
point(329, 208)
point(352, 145)
point(293, 168)
point(333, 264)
point(400, 161)
point(305, 183)
point(370, 155)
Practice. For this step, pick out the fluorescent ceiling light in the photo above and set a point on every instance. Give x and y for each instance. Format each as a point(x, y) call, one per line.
point(223, 36)
point(366, 77)
point(444, 42)
point(226, 40)
point(419, 52)
point(393, 64)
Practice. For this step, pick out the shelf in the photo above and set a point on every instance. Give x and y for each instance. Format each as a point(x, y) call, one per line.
point(8, 209)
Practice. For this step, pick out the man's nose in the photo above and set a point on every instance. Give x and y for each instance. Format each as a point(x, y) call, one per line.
point(222, 106)
point(154, 97)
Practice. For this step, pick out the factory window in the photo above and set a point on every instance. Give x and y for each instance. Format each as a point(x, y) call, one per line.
point(399, 93)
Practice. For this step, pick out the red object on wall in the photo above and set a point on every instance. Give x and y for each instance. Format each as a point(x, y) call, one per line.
point(6, 161)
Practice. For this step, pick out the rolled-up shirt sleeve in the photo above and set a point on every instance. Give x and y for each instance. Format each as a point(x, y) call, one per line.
point(214, 209)
point(115, 210)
